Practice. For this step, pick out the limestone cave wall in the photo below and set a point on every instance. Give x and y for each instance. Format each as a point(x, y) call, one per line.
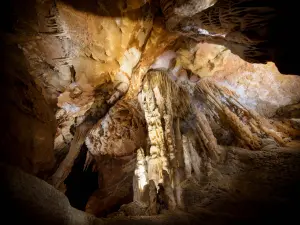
point(161, 111)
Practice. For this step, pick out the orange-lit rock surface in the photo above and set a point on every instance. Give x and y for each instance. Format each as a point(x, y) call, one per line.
point(259, 86)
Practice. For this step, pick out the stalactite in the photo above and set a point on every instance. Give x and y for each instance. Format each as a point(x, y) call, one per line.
point(244, 30)
point(223, 18)
point(179, 148)
point(267, 128)
point(286, 127)
point(157, 104)
point(169, 137)
point(195, 159)
point(250, 128)
point(206, 135)
point(165, 109)
point(165, 104)
point(187, 156)
point(102, 139)
point(243, 131)
point(66, 166)
point(179, 174)
point(157, 161)
point(261, 123)
point(248, 138)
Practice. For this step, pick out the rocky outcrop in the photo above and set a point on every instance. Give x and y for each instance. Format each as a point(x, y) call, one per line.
point(190, 115)
point(112, 143)
point(173, 127)
point(242, 187)
point(249, 28)
point(251, 82)
point(247, 123)
point(117, 132)
point(29, 124)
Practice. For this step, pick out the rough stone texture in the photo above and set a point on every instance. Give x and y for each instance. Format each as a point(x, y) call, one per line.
point(28, 130)
point(252, 82)
point(90, 60)
point(121, 130)
point(119, 133)
point(289, 111)
point(244, 186)
point(252, 29)
point(115, 184)
point(246, 182)
point(97, 43)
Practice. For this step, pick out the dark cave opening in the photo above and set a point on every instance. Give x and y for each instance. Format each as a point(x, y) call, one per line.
point(81, 183)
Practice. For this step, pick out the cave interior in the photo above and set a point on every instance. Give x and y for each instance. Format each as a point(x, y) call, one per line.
point(150, 112)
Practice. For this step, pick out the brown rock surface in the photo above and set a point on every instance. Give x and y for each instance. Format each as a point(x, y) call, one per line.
point(174, 124)
point(29, 124)
point(257, 31)
point(260, 87)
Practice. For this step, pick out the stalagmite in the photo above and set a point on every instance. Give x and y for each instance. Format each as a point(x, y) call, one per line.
point(168, 192)
point(152, 209)
point(141, 177)
point(157, 106)
point(164, 104)
point(157, 161)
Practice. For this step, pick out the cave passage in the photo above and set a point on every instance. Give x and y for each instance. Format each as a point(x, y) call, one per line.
point(81, 183)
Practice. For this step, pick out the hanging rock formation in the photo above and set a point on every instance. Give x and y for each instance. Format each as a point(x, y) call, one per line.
point(176, 107)
point(253, 29)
